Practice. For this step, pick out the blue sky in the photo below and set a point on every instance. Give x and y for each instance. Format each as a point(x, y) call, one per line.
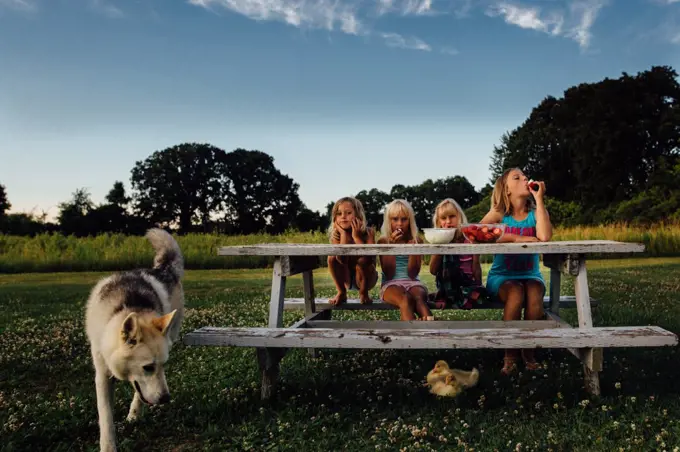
point(344, 94)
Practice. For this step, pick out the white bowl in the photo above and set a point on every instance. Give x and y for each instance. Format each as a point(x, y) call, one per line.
point(439, 235)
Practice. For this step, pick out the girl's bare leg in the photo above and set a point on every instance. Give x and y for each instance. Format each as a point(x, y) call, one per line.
point(398, 297)
point(420, 296)
point(533, 311)
point(340, 274)
point(511, 294)
point(366, 278)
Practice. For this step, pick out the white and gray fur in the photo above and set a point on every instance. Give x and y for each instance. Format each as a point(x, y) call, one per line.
point(148, 293)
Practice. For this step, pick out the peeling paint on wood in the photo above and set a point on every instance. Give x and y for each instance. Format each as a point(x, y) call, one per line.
point(566, 301)
point(313, 249)
point(624, 336)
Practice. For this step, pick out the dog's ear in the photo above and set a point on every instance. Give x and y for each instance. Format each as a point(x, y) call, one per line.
point(130, 328)
point(164, 322)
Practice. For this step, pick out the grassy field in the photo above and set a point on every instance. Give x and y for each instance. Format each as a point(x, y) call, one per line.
point(51, 253)
point(352, 400)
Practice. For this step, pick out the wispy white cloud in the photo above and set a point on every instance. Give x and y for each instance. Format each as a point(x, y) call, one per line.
point(106, 8)
point(405, 7)
point(399, 41)
point(19, 5)
point(574, 23)
point(100, 6)
point(587, 12)
point(323, 14)
point(527, 17)
point(349, 17)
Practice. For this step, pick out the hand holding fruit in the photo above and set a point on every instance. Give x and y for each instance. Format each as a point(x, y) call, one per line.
point(537, 188)
point(397, 236)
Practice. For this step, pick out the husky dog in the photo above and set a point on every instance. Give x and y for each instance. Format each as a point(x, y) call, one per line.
point(132, 320)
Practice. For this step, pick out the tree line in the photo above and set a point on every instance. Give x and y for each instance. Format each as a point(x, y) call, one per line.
point(609, 152)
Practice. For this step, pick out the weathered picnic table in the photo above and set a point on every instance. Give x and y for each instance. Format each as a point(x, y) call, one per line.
point(318, 330)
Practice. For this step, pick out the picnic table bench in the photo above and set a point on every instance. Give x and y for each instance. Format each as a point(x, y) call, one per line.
point(318, 330)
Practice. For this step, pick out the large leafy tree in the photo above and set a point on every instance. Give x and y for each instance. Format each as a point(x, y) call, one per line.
point(374, 202)
point(113, 215)
point(117, 196)
point(4, 202)
point(183, 184)
point(600, 143)
point(260, 197)
point(425, 196)
point(73, 214)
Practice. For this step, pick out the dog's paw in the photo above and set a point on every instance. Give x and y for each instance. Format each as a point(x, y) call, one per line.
point(132, 416)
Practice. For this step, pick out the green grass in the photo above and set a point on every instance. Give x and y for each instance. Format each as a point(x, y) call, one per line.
point(350, 399)
point(55, 252)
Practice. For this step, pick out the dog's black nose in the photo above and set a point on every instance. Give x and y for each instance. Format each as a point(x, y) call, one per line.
point(165, 398)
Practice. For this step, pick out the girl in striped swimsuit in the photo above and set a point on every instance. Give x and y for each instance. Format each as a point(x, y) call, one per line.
point(400, 284)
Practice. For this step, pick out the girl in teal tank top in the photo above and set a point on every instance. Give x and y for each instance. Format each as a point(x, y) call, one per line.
point(511, 267)
point(515, 279)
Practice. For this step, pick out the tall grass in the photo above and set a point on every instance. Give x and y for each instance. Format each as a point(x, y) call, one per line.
point(56, 252)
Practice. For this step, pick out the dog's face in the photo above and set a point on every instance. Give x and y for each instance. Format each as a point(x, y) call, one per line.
point(142, 351)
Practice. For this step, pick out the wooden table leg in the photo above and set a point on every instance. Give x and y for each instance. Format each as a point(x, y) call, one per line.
point(592, 356)
point(310, 301)
point(270, 358)
point(555, 281)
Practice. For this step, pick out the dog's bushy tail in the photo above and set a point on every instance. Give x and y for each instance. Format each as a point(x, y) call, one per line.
point(168, 263)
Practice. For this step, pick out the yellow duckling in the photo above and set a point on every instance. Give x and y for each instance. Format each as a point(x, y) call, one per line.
point(447, 382)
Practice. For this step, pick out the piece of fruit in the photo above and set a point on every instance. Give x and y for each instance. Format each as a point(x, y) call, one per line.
point(484, 229)
point(534, 186)
point(488, 237)
point(480, 236)
point(472, 227)
point(497, 232)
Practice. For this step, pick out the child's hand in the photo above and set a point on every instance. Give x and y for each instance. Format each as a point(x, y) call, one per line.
point(397, 236)
point(538, 194)
point(340, 230)
point(356, 229)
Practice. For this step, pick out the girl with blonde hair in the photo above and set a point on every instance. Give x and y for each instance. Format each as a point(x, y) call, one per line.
point(348, 226)
point(400, 284)
point(458, 277)
point(516, 278)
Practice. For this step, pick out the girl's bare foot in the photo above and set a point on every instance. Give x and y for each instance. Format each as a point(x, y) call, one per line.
point(365, 298)
point(509, 366)
point(529, 361)
point(340, 298)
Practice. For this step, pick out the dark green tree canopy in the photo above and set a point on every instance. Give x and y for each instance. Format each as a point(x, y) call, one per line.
point(4, 202)
point(260, 197)
point(182, 184)
point(601, 142)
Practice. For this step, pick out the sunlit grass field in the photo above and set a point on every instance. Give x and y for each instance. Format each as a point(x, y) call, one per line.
point(51, 253)
point(345, 399)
